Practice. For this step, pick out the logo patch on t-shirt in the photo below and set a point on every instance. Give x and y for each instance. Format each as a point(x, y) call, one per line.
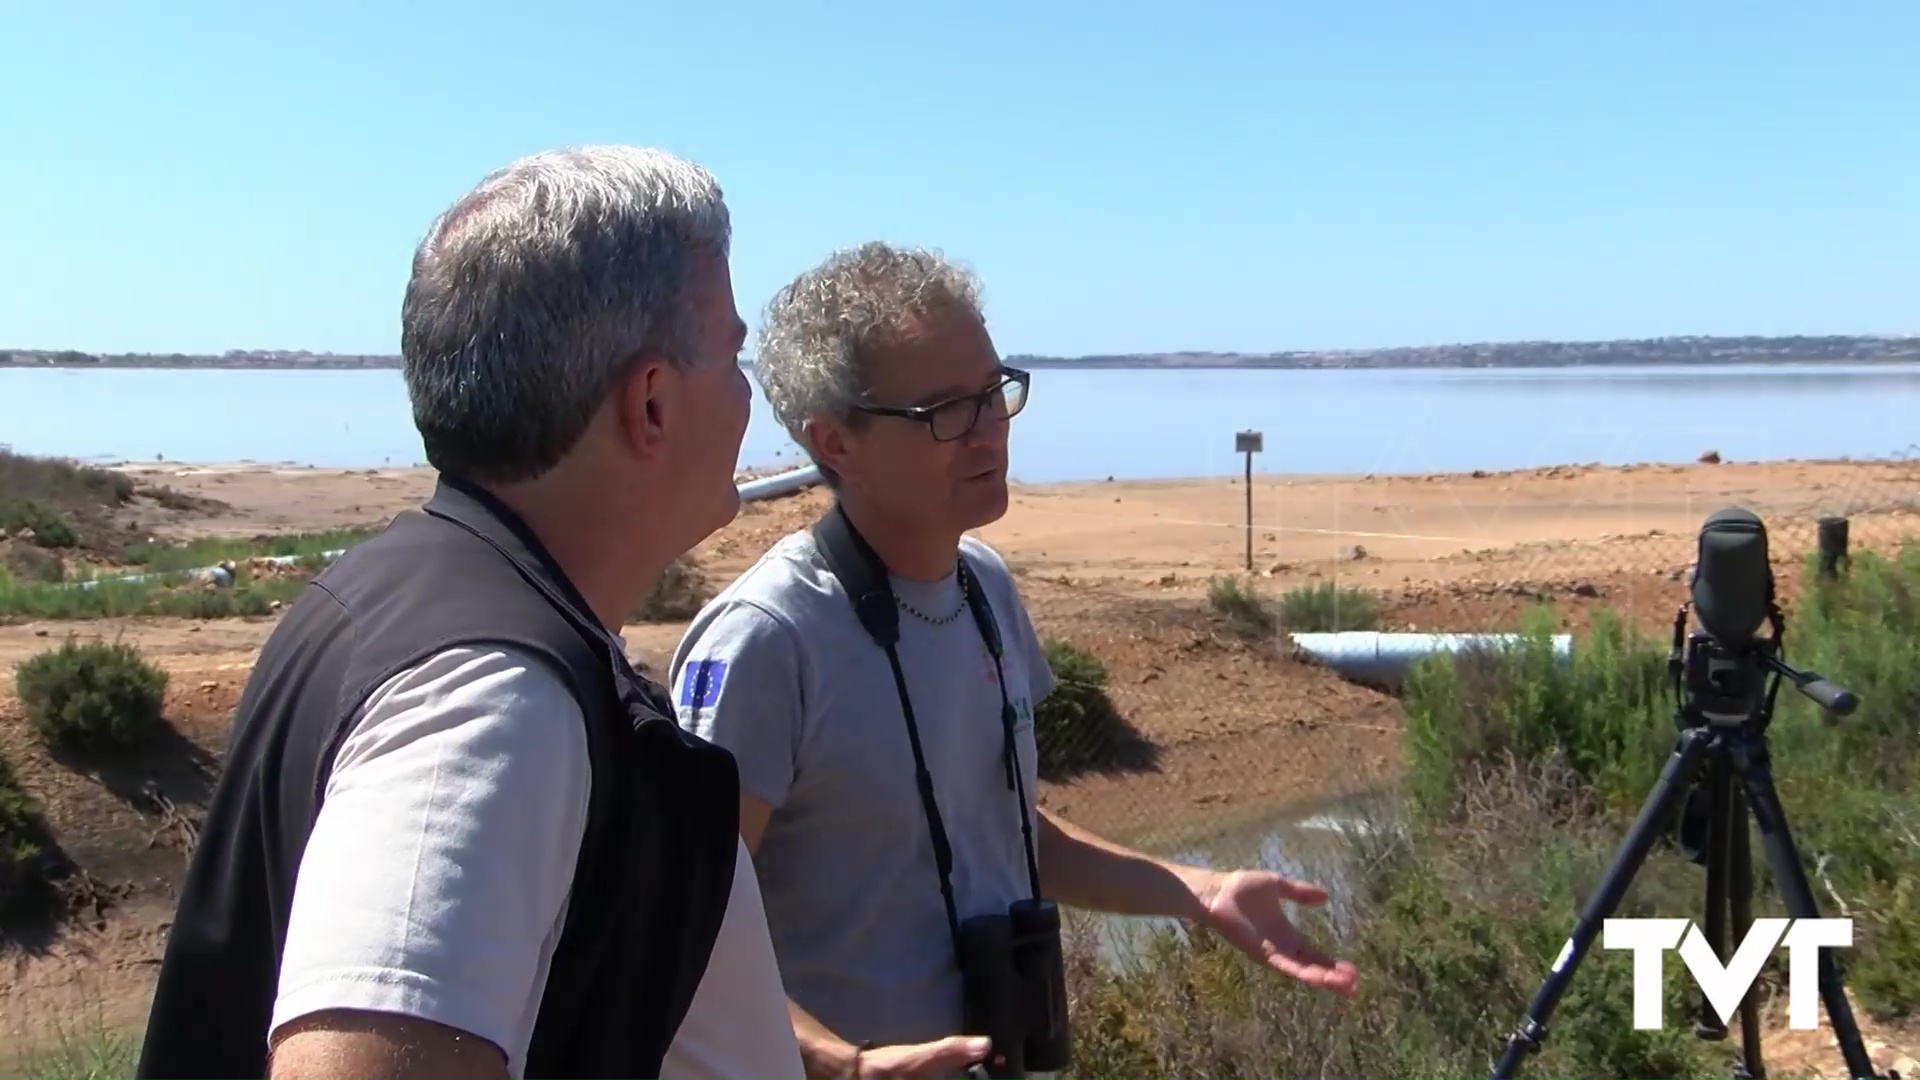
point(700, 683)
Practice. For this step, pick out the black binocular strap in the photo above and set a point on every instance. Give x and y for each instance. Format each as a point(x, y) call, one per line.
point(852, 560)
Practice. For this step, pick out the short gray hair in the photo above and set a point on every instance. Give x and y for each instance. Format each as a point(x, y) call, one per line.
point(819, 332)
point(534, 292)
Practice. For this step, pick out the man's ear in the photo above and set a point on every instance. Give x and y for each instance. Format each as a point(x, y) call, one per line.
point(644, 404)
point(830, 442)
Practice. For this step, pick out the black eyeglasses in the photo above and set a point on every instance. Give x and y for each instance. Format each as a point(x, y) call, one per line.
point(955, 417)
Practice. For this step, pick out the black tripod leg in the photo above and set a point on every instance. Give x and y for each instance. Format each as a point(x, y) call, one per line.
point(1790, 877)
point(1750, 1066)
point(1654, 813)
point(1719, 789)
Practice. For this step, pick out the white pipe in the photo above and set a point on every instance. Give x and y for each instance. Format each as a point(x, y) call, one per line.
point(767, 487)
point(1383, 658)
point(219, 575)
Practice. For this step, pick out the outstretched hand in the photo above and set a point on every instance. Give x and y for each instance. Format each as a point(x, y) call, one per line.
point(942, 1057)
point(1247, 907)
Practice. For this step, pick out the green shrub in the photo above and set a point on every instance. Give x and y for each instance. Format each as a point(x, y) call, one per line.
point(250, 596)
point(50, 529)
point(154, 556)
point(36, 587)
point(1076, 727)
point(95, 1051)
point(1851, 788)
point(679, 594)
point(1524, 771)
point(1329, 607)
point(35, 565)
point(92, 697)
point(1240, 603)
point(62, 482)
point(1603, 710)
point(1451, 931)
point(20, 851)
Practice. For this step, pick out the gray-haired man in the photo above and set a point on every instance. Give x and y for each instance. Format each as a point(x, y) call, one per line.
point(457, 834)
point(879, 363)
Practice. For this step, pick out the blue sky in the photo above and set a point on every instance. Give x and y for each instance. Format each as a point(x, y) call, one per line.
point(1204, 175)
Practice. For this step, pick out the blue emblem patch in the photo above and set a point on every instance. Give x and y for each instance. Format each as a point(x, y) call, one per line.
point(700, 683)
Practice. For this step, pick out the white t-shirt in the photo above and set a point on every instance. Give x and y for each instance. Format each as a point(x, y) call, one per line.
point(436, 878)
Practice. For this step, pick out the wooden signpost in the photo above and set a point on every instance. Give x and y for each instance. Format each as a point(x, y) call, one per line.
point(1248, 443)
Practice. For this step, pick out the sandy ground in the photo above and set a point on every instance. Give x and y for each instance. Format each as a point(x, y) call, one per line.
point(1410, 527)
point(1118, 568)
point(1447, 551)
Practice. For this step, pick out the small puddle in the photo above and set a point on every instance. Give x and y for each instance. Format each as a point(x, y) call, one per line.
point(1315, 842)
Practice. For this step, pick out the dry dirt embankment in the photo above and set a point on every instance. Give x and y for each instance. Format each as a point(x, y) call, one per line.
point(1119, 569)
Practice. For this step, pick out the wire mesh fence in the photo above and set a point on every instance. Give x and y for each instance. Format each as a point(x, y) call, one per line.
point(1201, 668)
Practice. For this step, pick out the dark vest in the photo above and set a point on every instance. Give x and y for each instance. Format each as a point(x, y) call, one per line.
point(655, 867)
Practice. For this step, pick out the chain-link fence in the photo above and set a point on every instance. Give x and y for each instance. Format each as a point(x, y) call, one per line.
point(1193, 649)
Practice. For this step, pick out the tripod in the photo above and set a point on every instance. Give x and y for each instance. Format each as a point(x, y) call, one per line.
point(1723, 713)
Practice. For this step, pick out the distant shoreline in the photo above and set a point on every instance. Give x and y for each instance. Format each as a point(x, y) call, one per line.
point(172, 468)
point(1700, 352)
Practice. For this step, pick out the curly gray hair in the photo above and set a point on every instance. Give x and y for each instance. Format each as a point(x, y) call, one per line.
point(532, 293)
point(819, 332)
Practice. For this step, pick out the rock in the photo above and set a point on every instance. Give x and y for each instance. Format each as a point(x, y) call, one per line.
point(1586, 589)
point(209, 686)
point(1359, 552)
